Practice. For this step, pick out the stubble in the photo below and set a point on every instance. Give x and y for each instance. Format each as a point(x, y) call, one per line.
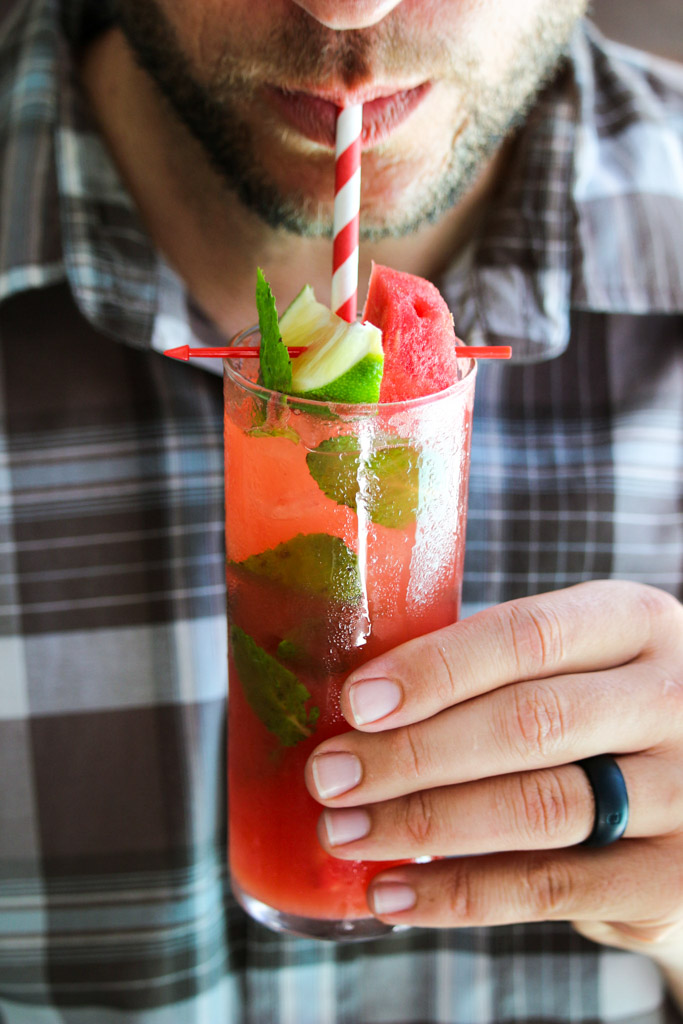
point(302, 50)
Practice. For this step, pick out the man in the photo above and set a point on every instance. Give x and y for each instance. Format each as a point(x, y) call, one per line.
point(151, 157)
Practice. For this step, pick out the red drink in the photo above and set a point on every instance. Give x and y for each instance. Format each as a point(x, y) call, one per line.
point(345, 529)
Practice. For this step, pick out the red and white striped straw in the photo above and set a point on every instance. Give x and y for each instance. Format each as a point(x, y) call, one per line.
point(346, 212)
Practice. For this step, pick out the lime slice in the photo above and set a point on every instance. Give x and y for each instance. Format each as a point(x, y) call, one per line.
point(342, 363)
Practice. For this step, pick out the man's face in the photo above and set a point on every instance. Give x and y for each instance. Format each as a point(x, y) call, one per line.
point(442, 81)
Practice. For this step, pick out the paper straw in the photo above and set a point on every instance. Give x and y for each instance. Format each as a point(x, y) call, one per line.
point(346, 212)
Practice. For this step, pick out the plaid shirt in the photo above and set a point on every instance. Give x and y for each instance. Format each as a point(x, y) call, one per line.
point(115, 906)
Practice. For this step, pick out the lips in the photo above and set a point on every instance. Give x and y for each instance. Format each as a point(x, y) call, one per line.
point(314, 115)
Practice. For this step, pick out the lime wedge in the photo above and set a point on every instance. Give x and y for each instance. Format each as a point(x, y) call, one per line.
point(303, 318)
point(342, 363)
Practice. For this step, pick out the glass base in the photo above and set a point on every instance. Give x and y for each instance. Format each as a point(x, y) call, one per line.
point(359, 929)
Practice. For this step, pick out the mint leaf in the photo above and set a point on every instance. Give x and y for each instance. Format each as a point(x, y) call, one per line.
point(290, 650)
point(318, 563)
point(275, 364)
point(391, 478)
point(325, 642)
point(274, 693)
point(262, 431)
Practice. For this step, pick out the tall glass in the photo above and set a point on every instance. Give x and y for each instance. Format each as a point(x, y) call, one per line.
point(345, 536)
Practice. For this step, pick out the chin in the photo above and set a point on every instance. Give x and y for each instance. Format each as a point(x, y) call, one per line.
point(288, 181)
point(393, 183)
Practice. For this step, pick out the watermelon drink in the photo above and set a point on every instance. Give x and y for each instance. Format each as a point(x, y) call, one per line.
point(345, 527)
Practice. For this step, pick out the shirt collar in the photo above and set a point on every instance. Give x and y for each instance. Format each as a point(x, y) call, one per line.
point(590, 215)
point(579, 166)
point(512, 284)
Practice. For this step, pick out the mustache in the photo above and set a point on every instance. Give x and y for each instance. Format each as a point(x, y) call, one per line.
point(295, 54)
point(301, 50)
point(313, 50)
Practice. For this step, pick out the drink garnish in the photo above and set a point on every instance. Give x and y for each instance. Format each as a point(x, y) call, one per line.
point(418, 336)
point(317, 563)
point(273, 692)
point(342, 362)
point(303, 318)
point(323, 642)
point(343, 366)
point(275, 364)
point(289, 650)
point(387, 483)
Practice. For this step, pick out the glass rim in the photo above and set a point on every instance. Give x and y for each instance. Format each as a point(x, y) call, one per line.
point(240, 339)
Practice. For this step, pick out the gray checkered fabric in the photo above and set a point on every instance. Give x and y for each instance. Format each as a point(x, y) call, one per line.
point(115, 906)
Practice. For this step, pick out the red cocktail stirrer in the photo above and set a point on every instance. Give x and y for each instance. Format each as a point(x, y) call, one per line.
point(184, 352)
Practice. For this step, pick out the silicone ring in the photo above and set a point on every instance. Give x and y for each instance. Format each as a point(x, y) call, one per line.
point(611, 799)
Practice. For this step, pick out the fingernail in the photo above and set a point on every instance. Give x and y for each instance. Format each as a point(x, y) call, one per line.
point(335, 773)
point(392, 897)
point(373, 699)
point(346, 825)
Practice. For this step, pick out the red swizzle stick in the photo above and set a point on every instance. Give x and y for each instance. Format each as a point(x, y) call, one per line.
point(346, 212)
point(184, 352)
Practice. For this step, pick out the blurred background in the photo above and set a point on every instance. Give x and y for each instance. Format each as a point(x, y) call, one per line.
point(655, 25)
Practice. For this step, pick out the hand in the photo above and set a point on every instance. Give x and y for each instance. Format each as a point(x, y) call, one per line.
point(477, 758)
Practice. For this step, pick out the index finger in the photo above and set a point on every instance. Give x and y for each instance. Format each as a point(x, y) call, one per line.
point(588, 627)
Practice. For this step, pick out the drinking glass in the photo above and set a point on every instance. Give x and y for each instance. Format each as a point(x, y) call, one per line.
point(345, 536)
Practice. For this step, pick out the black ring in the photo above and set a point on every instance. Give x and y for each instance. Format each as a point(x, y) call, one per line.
point(611, 799)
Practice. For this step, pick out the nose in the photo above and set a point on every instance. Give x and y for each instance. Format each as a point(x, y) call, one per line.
point(348, 14)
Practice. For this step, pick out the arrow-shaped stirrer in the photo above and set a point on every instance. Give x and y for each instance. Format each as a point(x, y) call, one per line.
point(184, 352)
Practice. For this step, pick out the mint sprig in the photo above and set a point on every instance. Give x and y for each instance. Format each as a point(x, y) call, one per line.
point(275, 364)
point(274, 693)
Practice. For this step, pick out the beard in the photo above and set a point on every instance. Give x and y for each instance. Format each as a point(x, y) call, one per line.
point(212, 105)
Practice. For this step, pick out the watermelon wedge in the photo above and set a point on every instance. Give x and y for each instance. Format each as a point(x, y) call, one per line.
point(418, 337)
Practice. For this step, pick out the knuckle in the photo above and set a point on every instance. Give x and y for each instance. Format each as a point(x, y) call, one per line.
point(544, 807)
point(668, 691)
point(648, 934)
point(662, 612)
point(418, 819)
point(410, 754)
point(660, 862)
point(656, 602)
point(537, 724)
point(671, 800)
point(550, 887)
point(674, 886)
point(443, 683)
point(536, 635)
point(463, 899)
